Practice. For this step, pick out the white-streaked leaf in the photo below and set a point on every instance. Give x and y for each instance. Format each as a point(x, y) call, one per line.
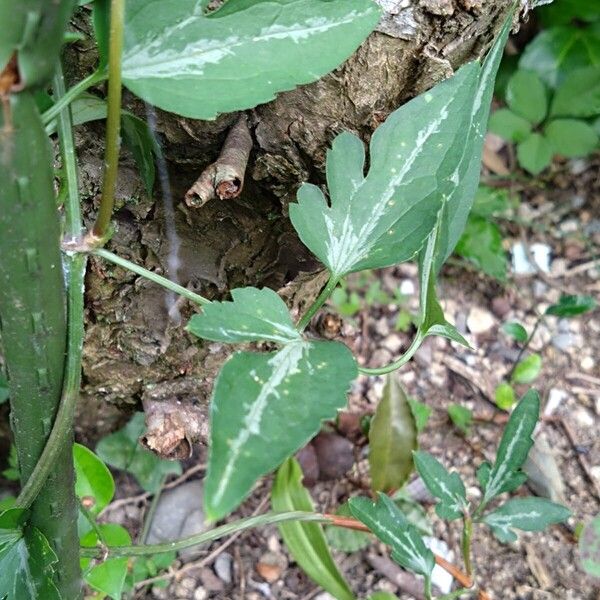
point(253, 315)
point(392, 439)
point(446, 486)
point(388, 523)
point(306, 541)
point(528, 514)
point(264, 408)
point(384, 218)
point(186, 62)
point(506, 474)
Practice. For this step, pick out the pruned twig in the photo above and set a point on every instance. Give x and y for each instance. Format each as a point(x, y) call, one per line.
point(224, 178)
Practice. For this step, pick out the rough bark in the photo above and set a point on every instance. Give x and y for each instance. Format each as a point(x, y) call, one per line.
point(134, 338)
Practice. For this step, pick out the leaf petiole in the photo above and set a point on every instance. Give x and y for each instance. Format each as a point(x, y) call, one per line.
point(318, 303)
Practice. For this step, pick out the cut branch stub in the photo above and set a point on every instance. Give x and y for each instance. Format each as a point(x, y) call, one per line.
point(224, 178)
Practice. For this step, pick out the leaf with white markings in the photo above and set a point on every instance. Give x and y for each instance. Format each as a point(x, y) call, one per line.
point(196, 65)
point(267, 406)
point(306, 541)
point(506, 474)
point(527, 514)
point(254, 315)
point(385, 217)
point(388, 523)
point(392, 439)
point(446, 486)
point(26, 560)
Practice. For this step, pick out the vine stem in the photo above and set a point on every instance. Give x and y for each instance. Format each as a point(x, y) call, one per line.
point(318, 303)
point(113, 122)
point(159, 279)
point(71, 94)
point(61, 429)
point(249, 523)
point(399, 362)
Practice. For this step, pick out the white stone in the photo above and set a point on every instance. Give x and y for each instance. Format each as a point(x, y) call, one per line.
point(587, 363)
point(407, 287)
point(440, 578)
point(555, 399)
point(200, 594)
point(480, 320)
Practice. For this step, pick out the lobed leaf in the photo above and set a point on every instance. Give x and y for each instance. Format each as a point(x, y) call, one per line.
point(528, 514)
point(392, 439)
point(306, 541)
point(254, 315)
point(535, 153)
point(264, 408)
point(579, 94)
point(197, 65)
point(446, 486)
point(506, 474)
point(388, 523)
point(526, 96)
point(571, 137)
point(509, 126)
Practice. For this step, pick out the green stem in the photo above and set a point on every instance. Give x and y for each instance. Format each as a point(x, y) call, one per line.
point(63, 423)
point(113, 121)
point(467, 534)
point(455, 594)
point(207, 536)
point(428, 591)
point(151, 511)
point(538, 322)
point(71, 94)
point(316, 305)
point(399, 362)
point(163, 281)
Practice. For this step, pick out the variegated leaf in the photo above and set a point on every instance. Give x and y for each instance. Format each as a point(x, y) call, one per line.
point(264, 408)
point(506, 474)
point(424, 171)
point(253, 315)
point(448, 487)
point(528, 514)
point(388, 523)
point(186, 62)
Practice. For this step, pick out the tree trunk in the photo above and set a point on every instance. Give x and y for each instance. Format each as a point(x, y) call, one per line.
point(136, 347)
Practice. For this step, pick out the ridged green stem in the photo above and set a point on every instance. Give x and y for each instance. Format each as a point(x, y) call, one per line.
point(32, 311)
point(113, 120)
point(318, 303)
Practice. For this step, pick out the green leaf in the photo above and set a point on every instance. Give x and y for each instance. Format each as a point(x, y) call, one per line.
point(306, 541)
point(528, 514)
point(446, 486)
point(26, 560)
point(579, 94)
point(392, 439)
point(535, 153)
point(122, 450)
point(571, 137)
point(383, 596)
point(526, 96)
point(346, 540)
point(388, 523)
point(589, 547)
point(254, 315)
point(141, 143)
point(515, 330)
point(84, 108)
point(461, 416)
point(264, 408)
point(481, 244)
point(109, 576)
point(421, 413)
point(528, 369)
point(93, 479)
point(12, 473)
point(4, 389)
point(509, 126)
point(101, 23)
point(384, 218)
point(558, 51)
point(183, 61)
point(490, 202)
point(572, 306)
point(506, 474)
point(565, 11)
point(505, 396)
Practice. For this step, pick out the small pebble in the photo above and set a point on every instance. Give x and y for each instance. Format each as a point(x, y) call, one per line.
point(407, 287)
point(271, 566)
point(185, 588)
point(222, 567)
point(200, 594)
point(480, 320)
point(587, 363)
